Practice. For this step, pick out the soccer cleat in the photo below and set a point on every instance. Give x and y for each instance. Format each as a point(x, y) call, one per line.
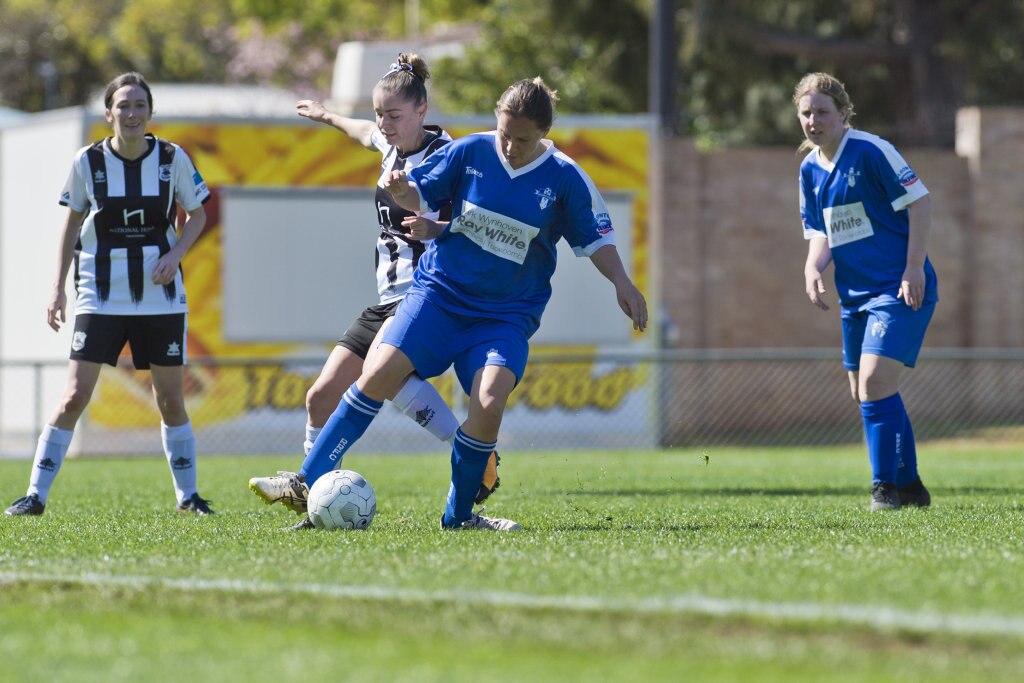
point(491, 479)
point(196, 504)
point(478, 521)
point(884, 497)
point(306, 523)
point(26, 505)
point(914, 494)
point(287, 488)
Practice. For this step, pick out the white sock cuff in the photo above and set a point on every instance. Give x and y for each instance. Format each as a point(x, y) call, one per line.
point(178, 433)
point(408, 392)
point(56, 435)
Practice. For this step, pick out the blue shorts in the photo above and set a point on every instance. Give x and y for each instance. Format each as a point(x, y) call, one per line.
point(434, 338)
point(895, 332)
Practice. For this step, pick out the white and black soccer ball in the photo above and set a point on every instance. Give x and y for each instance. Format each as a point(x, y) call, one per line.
point(342, 499)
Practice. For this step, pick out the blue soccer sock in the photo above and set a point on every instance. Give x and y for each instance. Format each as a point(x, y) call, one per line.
point(469, 460)
point(907, 473)
point(883, 430)
point(350, 419)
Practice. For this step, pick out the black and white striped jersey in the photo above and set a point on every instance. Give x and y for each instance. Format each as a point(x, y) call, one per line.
point(130, 223)
point(397, 256)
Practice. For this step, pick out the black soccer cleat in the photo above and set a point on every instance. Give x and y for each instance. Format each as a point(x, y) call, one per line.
point(491, 480)
point(914, 494)
point(884, 497)
point(305, 524)
point(196, 504)
point(26, 505)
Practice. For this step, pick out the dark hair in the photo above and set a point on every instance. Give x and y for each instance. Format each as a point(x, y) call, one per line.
point(127, 78)
point(529, 99)
point(407, 78)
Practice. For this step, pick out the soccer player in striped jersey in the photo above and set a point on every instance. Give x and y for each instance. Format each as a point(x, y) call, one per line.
point(864, 208)
point(482, 284)
point(120, 233)
point(399, 134)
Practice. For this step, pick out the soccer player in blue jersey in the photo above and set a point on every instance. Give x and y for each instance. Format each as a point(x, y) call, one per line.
point(482, 283)
point(400, 135)
point(864, 209)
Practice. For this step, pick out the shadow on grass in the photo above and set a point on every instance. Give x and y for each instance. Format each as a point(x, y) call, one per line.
point(734, 491)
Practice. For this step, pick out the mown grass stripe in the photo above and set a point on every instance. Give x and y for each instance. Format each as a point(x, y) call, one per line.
point(870, 616)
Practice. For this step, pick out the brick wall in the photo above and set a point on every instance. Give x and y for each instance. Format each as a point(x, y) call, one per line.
point(732, 250)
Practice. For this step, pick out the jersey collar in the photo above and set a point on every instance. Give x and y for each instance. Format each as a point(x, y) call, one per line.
point(829, 165)
point(549, 149)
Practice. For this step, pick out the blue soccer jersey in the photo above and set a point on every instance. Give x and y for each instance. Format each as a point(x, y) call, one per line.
point(859, 202)
point(496, 257)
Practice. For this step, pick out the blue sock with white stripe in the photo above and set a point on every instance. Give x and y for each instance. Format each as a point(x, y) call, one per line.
point(350, 419)
point(907, 473)
point(883, 429)
point(469, 460)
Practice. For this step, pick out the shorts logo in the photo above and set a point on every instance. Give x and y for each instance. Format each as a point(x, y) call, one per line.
point(78, 341)
point(173, 349)
point(494, 357)
point(878, 329)
point(546, 197)
point(165, 172)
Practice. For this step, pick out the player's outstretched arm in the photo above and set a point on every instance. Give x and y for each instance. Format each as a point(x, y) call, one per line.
point(631, 301)
point(359, 130)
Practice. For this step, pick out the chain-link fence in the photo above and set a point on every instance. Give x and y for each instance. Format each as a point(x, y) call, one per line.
point(597, 400)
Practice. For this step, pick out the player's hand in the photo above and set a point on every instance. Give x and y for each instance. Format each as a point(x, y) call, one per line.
point(165, 269)
point(912, 287)
point(632, 303)
point(55, 312)
point(311, 109)
point(815, 287)
point(397, 184)
point(421, 228)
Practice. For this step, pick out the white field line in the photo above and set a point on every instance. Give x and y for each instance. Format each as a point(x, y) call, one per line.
point(870, 616)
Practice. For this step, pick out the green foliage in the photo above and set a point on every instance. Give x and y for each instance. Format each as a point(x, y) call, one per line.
point(139, 592)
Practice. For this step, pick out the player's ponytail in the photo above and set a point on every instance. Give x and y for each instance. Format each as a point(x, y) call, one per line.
point(406, 78)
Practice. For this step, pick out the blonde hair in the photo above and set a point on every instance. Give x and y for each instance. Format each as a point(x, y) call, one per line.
point(530, 99)
point(826, 84)
point(406, 78)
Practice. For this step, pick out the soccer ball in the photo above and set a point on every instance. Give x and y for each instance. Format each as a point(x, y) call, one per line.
point(342, 499)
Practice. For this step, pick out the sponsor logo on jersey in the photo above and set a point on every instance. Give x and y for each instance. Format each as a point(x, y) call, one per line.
point(604, 223)
point(99, 176)
point(66, 197)
point(495, 233)
point(200, 184)
point(174, 349)
point(78, 341)
point(165, 172)
point(545, 197)
point(851, 176)
point(472, 171)
point(878, 329)
point(847, 223)
point(907, 176)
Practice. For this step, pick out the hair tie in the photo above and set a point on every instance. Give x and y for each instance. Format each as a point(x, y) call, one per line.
point(396, 66)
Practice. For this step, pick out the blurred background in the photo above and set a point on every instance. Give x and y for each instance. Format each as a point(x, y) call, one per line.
point(679, 109)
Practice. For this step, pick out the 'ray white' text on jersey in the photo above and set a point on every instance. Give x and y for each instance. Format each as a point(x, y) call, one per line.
point(859, 203)
point(496, 257)
point(129, 224)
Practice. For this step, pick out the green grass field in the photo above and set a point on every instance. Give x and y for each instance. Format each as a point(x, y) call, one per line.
point(757, 565)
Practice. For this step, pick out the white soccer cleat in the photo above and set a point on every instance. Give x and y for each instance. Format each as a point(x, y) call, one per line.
point(287, 488)
point(478, 521)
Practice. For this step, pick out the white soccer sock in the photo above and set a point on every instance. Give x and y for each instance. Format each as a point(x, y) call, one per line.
point(180, 448)
point(311, 434)
point(50, 451)
point(420, 401)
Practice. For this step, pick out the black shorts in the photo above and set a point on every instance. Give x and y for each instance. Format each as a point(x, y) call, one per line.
point(361, 333)
point(156, 339)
